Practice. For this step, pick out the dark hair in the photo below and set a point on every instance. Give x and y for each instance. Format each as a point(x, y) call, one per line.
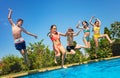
point(72, 30)
point(86, 23)
point(51, 28)
point(96, 22)
point(20, 20)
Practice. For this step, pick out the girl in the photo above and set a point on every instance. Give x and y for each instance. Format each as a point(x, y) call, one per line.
point(86, 30)
point(97, 35)
point(57, 46)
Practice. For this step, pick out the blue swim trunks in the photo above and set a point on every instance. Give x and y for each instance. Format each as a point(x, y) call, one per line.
point(20, 46)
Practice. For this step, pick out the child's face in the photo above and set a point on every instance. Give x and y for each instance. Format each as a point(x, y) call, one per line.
point(69, 30)
point(19, 23)
point(54, 29)
point(84, 24)
point(97, 23)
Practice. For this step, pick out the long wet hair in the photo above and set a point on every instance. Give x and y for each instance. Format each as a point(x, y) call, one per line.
point(86, 23)
point(51, 28)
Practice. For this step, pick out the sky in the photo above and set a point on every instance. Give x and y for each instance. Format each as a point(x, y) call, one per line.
point(39, 15)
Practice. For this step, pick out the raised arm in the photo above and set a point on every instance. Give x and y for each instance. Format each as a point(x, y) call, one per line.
point(78, 25)
point(29, 33)
point(91, 21)
point(9, 17)
point(76, 34)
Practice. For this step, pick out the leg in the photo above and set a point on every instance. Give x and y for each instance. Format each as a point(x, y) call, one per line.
point(85, 42)
point(105, 35)
point(57, 54)
point(80, 46)
point(88, 43)
point(96, 42)
point(22, 48)
point(70, 50)
point(25, 56)
point(63, 55)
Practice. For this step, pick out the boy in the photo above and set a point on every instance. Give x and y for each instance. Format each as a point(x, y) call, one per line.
point(18, 40)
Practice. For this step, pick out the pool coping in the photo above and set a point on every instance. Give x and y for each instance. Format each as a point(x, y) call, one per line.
point(14, 75)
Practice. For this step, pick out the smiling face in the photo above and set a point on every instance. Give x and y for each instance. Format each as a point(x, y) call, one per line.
point(97, 23)
point(85, 24)
point(19, 22)
point(53, 29)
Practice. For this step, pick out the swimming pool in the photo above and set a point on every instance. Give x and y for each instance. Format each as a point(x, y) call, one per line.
point(102, 69)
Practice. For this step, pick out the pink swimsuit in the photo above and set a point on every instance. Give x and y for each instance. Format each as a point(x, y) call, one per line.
point(55, 37)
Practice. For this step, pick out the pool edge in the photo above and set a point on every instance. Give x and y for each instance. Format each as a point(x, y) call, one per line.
point(52, 68)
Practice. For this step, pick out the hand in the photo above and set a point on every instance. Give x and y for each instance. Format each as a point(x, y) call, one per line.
point(92, 17)
point(35, 37)
point(10, 9)
point(78, 24)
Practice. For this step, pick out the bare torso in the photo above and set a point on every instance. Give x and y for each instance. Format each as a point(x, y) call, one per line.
point(16, 31)
point(56, 42)
point(96, 30)
point(70, 39)
point(86, 34)
point(56, 39)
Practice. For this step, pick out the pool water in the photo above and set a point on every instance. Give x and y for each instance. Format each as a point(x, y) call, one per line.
point(102, 69)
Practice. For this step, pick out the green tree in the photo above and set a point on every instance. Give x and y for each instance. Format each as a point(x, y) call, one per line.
point(40, 56)
point(12, 64)
point(116, 47)
point(107, 31)
point(115, 33)
point(115, 30)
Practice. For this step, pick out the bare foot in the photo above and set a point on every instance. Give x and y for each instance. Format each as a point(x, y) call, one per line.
point(64, 67)
point(112, 41)
point(72, 52)
point(55, 61)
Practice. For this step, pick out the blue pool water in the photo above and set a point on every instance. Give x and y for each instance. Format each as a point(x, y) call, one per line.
point(103, 69)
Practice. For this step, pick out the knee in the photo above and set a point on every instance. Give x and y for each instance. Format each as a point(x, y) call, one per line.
point(57, 55)
point(106, 35)
point(73, 52)
point(86, 46)
point(22, 51)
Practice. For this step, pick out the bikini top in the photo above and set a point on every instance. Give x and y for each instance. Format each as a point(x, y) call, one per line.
point(55, 37)
point(86, 30)
point(97, 29)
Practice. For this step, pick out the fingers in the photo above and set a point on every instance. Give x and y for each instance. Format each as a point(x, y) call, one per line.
point(79, 22)
point(93, 16)
point(36, 37)
point(9, 9)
